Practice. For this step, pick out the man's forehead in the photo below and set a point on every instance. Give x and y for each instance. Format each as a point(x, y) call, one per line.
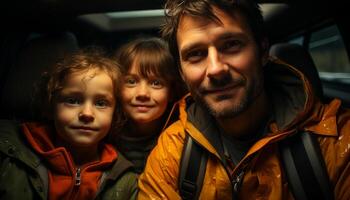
point(219, 16)
point(187, 20)
point(233, 23)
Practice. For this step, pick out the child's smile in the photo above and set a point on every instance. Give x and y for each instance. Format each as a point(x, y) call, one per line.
point(84, 109)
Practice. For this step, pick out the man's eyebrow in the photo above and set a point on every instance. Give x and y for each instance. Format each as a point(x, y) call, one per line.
point(232, 35)
point(223, 36)
point(188, 48)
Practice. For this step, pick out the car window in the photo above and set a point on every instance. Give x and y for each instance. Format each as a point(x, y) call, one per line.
point(327, 49)
point(297, 40)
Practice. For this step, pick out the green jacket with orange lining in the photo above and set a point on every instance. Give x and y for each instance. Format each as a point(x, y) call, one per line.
point(24, 174)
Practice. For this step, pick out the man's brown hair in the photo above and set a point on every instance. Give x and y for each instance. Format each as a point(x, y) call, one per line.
point(174, 9)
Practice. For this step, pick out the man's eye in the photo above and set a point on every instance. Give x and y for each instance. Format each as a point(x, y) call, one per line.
point(156, 83)
point(195, 56)
point(101, 103)
point(73, 101)
point(231, 46)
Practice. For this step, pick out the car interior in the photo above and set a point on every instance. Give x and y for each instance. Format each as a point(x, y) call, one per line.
point(312, 36)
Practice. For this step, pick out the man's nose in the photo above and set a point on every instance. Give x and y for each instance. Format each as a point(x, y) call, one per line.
point(86, 115)
point(143, 91)
point(216, 66)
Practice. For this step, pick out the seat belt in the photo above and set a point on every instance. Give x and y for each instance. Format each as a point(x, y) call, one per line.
point(192, 169)
point(301, 157)
point(305, 168)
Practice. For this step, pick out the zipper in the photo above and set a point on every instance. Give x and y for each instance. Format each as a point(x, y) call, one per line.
point(241, 167)
point(77, 177)
point(230, 167)
point(237, 179)
point(237, 182)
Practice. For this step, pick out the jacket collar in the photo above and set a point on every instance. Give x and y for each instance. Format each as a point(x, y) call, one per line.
point(121, 165)
point(40, 138)
point(295, 106)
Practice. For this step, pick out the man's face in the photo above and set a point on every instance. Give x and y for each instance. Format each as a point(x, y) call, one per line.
point(220, 62)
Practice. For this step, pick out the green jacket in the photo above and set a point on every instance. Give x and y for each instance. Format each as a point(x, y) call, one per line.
point(23, 175)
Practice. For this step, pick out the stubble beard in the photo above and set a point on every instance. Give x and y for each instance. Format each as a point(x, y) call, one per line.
point(230, 111)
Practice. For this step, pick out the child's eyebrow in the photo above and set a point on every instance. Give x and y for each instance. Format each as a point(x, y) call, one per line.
point(78, 91)
point(131, 74)
point(156, 77)
point(71, 91)
point(105, 95)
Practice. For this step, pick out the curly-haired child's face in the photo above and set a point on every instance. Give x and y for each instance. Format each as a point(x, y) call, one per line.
point(84, 109)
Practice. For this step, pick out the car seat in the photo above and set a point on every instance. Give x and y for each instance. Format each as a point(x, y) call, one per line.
point(297, 56)
point(38, 53)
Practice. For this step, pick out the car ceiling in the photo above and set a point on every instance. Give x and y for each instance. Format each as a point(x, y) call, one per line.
point(35, 8)
point(42, 14)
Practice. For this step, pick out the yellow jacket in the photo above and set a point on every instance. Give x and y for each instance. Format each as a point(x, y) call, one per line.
point(295, 109)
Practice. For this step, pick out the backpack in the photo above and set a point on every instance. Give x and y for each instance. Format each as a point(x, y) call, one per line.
point(301, 158)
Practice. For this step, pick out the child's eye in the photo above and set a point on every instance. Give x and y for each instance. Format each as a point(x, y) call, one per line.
point(72, 101)
point(157, 84)
point(130, 81)
point(101, 103)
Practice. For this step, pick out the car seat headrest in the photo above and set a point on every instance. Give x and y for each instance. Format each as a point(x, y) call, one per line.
point(297, 56)
point(37, 55)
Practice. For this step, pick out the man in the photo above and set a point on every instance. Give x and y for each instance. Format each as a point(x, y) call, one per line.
point(241, 105)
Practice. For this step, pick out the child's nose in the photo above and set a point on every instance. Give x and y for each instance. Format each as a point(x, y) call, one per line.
point(143, 92)
point(86, 115)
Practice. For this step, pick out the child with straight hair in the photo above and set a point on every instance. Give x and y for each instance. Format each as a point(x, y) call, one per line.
point(67, 155)
point(151, 85)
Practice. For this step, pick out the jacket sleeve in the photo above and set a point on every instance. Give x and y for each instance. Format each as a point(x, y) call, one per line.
point(337, 155)
point(159, 180)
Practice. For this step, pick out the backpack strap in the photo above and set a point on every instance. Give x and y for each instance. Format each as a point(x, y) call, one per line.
point(305, 167)
point(192, 169)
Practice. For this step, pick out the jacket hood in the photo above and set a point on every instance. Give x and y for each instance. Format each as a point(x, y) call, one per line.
point(293, 102)
point(289, 93)
point(40, 138)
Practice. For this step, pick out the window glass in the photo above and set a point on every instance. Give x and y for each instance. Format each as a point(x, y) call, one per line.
point(327, 49)
point(298, 40)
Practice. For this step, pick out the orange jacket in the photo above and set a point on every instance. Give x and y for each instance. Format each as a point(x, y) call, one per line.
point(61, 169)
point(295, 109)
